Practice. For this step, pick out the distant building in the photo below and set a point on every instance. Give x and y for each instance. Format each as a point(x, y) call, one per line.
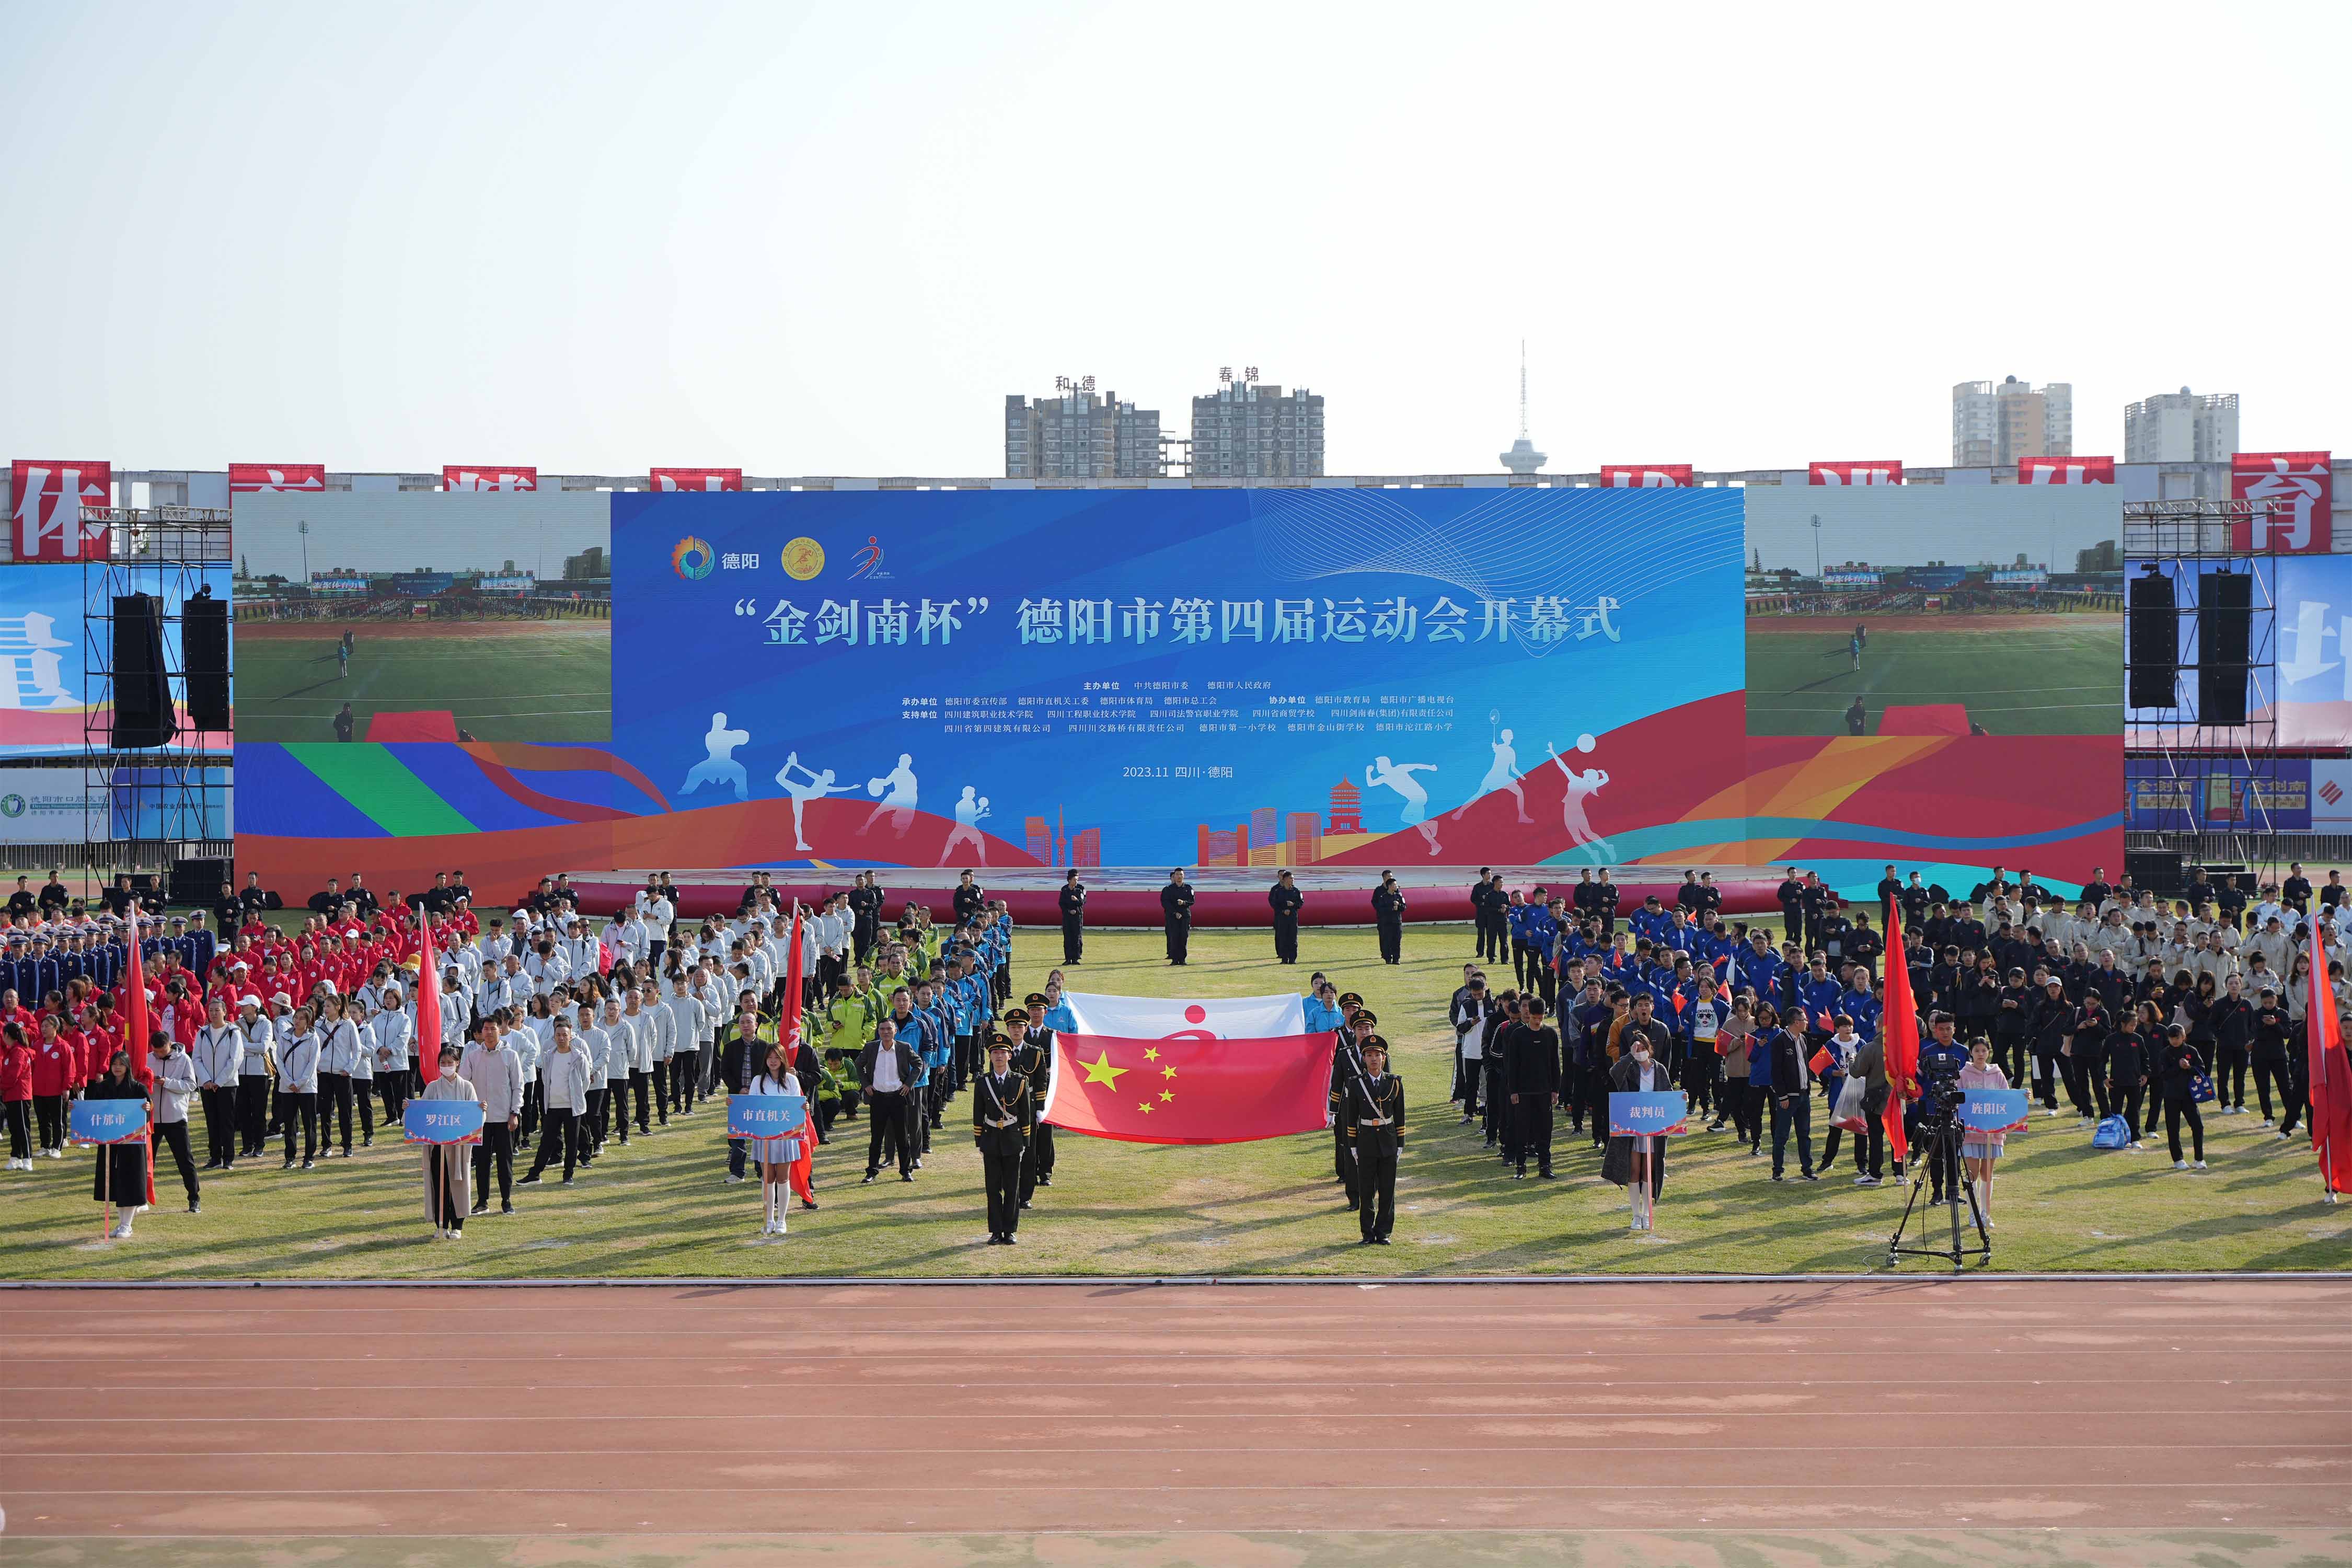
point(1306, 837)
point(1038, 833)
point(1994, 425)
point(2182, 426)
point(1078, 435)
point(1246, 431)
point(1086, 846)
point(1346, 809)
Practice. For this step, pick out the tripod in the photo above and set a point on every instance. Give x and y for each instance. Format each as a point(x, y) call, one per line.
point(1941, 1143)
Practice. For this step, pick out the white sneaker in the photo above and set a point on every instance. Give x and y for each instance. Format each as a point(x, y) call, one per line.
point(733, 1180)
point(57, 1153)
point(2180, 1165)
point(2052, 1111)
point(2136, 1143)
point(2284, 1137)
point(2199, 1166)
point(2269, 1122)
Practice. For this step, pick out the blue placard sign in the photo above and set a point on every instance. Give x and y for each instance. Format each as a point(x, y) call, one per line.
point(1994, 1109)
point(764, 1115)
point(1664, 1111)
point(441, 1121)
point(107, 1120)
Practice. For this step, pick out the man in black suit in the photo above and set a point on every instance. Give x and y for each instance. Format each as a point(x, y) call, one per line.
point(1002, 1111)
point(1480, 892)
point(1284, 899)
point(1074, 918)
point(1531, 1072)
point(887, 1071)
point(970, 898)
point(1388, 917)
point(1176, 914)
point(1374, 1104)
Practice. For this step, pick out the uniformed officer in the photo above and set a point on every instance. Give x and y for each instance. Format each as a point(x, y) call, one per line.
point(1388, 915)
point(1284, 899)
point(1002, 1113)
point(1074, 918)
point(1375, 1106)
point(1033, 1066)
point(1345, 1064)
point(1176, 914)
point(1040, 1073)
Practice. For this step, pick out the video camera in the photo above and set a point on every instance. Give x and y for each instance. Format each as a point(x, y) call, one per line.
point(1939, 1082)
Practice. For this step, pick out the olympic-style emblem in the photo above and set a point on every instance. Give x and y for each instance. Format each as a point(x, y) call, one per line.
point(692, 559)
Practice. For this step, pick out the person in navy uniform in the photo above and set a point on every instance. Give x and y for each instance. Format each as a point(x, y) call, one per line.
point(1033, 1062)
point(1285, 901)
point(1375, 1118)
point(1176, 915)
point(1388, 915)
point(1002, 1110)
point(1346, 1064)
point(1074, 918)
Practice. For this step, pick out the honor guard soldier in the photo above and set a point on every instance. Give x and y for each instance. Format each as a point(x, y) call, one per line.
point(1375, 1105)
point(1001, 1114)
point(1176, 915)
point(1074, 918)
point(1284, 899)
point(1344, 1064)
point(1037, 1067)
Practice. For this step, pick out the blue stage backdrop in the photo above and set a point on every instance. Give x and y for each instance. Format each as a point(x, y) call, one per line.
point(1184, 676)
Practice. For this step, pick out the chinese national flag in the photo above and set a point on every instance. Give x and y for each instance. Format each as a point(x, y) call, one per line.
point(428, 1004)
point(1185, 1090)
point(1900, 1028)
point(2331, 1084)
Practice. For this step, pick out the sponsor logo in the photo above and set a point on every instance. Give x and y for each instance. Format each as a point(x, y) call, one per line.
point(12, 805)
point(692, 559)
point(2330, 791)
point(803, 558)
point(869, 560)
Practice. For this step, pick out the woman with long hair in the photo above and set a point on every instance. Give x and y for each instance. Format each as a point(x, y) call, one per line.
point(1980, 1148)
point(775, 1156)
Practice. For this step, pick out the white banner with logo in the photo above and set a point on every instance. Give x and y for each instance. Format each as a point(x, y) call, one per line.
point(2331, 797)
point(47, 806)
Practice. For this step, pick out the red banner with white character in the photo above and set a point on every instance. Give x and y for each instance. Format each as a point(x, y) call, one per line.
point(488, 477)
point(271, 478)
point(1871, 473)
point(46, 498)
point(2292, 495)
point(2065, 470)
point(698, 478)
point(1645, 475)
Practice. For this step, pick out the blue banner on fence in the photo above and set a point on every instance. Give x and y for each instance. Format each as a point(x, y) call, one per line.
point(1993, 1109)
point(441, 1121)
point(764, 1115)
point(1665, 1110)
point(108, 1121)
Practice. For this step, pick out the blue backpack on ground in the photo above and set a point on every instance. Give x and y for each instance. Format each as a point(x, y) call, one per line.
point(2114, 1132)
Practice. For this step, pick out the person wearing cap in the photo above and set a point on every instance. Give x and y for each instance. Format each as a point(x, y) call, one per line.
point(1002, 1112)
point(444, 1164)
point(1347, 1066)
point(1375, 1119)
point(215, 1055)
point(255, 1071)
point(1033, 1058)
point(1284, 899)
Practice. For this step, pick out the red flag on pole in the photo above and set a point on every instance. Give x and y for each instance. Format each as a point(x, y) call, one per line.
point(137, 1027)
point(428, 1004)
point(1184, 1090)
point(788, 1025)
point(1899, 1032)
point(2330, 1079)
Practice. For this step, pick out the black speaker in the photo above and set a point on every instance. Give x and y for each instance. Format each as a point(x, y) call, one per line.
point(2224, 618)
point(2153, 642)
point(143, 688)
point(203, 639)
point(2159, 870)
point(197, 883)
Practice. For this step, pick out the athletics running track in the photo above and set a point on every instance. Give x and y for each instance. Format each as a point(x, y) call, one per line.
point(2069, 1420)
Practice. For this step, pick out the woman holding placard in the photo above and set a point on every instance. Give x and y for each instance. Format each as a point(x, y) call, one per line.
point(446, 1167)
point(1980, 1148)
point(775, 1156)
point(120, 1178)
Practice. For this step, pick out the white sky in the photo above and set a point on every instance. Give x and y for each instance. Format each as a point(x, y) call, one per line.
point(806, 240)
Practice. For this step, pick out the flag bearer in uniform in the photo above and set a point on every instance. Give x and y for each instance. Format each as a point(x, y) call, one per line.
point(1345, 1064)
point(1001, 1114)
point(1033, 1058)
point(1375, 1107)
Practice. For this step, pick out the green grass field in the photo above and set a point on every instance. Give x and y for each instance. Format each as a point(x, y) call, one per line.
point(659, 1208)
point(504, 680)
point(2017, 674)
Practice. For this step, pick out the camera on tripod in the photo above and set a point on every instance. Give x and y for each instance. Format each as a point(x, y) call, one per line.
point(1939, 1083)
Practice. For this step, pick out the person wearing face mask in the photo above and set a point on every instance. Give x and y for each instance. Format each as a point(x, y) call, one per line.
point(1637, 1071)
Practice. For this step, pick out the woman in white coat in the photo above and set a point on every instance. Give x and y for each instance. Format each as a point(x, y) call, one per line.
point(563, 1076)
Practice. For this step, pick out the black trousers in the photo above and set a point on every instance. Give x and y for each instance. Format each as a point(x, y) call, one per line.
point(335, 1095)
point(1795, 1112)
point(253, 1111)
point(639, 1085)
point(20, 1129)
point(1391, 941)
point(1519, 955)
point(556, 1127)
point(1286, 939)
point(393, 1086)
point(659, 1078)
point(1376, 1160)
point(174, 1135)
point(50, 1110)
point(2228, 1076)
point(2131, 1100)
point(1343, 1160)
point(1179, 939)
point(1038, 1162)
point(888, 1132)
point(2176, 1112)
point(1074, 940)
point(495, 1150)
point(303, 1108)
point(2265, 1075)
point(1533, 1114)
point(220, 1126)
point(682, 1074)
point(1702, 1071)
point(1003, 1176)
point(2045, 1079)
